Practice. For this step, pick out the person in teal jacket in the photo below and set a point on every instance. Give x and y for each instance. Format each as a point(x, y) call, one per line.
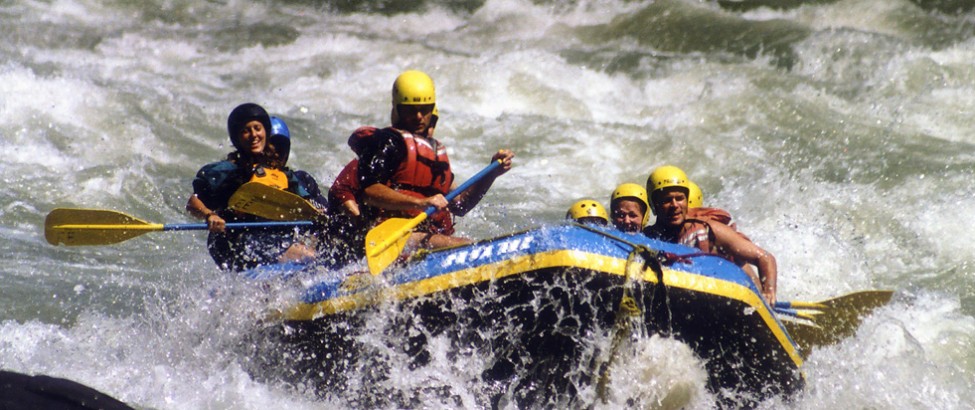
point(258, 157)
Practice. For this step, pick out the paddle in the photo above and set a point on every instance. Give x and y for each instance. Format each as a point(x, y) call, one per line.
point(271, 203)
point(75, 227)
point(385, 242)
point(808, 315)
point(829, 321)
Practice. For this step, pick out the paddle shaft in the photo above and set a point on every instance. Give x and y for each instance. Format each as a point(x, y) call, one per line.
point(184, 227)
point(799, 305)
point(467, 184)
point(238, 225)
point(76, 227)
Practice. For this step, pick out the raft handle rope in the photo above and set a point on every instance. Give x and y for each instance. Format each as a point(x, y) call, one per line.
point(664, 258)
point(630, 313)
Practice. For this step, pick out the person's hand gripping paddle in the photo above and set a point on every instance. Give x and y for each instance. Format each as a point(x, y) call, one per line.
point(385, 242)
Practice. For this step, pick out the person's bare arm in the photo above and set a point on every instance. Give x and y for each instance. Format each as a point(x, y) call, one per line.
point(467, 200)
point(198, 209)
point(382, 196)
point(745, 250)
point(351, 207)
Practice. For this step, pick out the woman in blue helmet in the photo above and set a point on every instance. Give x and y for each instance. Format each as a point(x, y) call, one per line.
point(258, 157)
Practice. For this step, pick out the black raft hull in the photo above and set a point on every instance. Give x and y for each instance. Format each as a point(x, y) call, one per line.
point(549, 309)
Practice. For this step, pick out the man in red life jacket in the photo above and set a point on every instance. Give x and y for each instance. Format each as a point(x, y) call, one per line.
point(345, 195)
point(402, 169)
point(348, 227)
point(668, 187)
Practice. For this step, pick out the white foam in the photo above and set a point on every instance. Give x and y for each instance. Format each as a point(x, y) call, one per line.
point(123, 111)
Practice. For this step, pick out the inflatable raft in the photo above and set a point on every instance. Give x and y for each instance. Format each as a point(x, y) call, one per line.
point(542, 304)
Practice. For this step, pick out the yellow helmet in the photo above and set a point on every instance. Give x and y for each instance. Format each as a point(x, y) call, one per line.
point(584, 209)
point(695, 198)
point(665, 177)
point(635, 191)
point(413, 88)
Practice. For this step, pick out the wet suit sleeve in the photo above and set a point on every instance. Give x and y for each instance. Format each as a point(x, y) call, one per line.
point(215, 183)
point(379, 159)
point(346, 184)
point(311, 185)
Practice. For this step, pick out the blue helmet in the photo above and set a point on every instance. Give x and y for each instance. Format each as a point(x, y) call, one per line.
point(278, 127)
point(280, 138)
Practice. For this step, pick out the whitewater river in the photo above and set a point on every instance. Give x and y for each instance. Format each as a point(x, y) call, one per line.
point(838, 133)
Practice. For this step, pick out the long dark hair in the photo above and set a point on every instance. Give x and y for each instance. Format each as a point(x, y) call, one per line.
point(269, 158)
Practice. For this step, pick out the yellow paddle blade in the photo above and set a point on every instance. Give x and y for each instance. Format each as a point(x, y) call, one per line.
point(381, 260)
point(842, 315)
point(271, 203)
point(385, 242)
point(838, 318)
point(77, 227)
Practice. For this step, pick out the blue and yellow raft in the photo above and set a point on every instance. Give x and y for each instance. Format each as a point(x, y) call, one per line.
point(534, 300)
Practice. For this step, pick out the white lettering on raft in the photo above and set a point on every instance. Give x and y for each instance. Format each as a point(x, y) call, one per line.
point(472, 255)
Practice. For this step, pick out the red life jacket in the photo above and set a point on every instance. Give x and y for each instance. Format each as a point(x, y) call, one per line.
point(697, 234)
point(712, 214)
point(426, 168)
point(359, 136)
point(424, 172)
point(696, 231)
point(717, 215)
